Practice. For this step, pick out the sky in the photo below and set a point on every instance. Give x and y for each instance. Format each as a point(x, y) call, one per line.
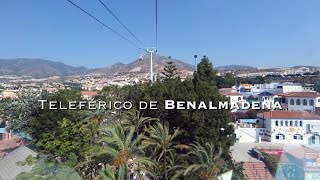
point(261, 33)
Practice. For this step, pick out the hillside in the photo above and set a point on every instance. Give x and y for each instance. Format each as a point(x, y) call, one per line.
point(37, 68)
point(140, 66)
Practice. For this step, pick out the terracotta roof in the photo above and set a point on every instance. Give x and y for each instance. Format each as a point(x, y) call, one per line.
point(89, 93)
point(225, 90)
point(288, 115)
point(301, 94)
point(231, 94)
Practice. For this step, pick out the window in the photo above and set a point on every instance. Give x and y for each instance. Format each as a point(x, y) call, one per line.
point(291, 123)
point(319, 100)
point(277, 123)
point(311, 102)
point(280, 136)
point(300, 123)
point(239, 98)
point(291, 102)
point(298, 137)
point(296, 123)
point(305, 102)
point(298, 102)
point(281, 123)
point(286, 123)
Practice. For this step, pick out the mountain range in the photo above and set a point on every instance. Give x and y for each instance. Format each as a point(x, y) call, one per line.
point(37, 68)
point(40, 68)
point(140, 66)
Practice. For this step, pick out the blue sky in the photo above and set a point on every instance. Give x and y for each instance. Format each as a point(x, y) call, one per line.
point(249, 32)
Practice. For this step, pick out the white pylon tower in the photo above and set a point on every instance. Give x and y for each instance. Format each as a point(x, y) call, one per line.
point(151, 51)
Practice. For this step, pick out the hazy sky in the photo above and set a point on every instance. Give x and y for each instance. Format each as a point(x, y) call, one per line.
point(248, 32)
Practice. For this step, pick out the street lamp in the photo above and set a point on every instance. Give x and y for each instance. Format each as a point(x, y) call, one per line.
point(195, 62)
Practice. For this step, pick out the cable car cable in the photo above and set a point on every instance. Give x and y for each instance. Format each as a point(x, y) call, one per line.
point(121, 22)
point(103, 24)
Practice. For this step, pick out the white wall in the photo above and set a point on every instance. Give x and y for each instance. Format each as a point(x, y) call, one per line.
point(292, 88)
point(249, 134)
point(301, 107)
point(290, 131)
point(235, 99)
point(318, 102)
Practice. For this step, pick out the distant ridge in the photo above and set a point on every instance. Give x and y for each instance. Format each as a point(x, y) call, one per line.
point(235, 67)
point(37, 68)
point(140, 66)
point(41, 68)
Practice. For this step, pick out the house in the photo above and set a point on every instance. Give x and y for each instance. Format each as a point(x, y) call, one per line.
point(265, 97)
point(88, 95)
point(289, 127)
point(276, 88)
point(235, 97)
point(295, 127)
point(8, 94)
point(8, 164)
point(302, 101)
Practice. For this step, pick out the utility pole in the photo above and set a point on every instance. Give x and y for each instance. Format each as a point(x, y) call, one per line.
point(151, 51)
point(195, 62)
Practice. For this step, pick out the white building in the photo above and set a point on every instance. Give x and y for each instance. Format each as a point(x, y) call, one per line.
point(235, 97)
point(290, 127)
point(266, 97)
point(302, 101)
point(276, 88)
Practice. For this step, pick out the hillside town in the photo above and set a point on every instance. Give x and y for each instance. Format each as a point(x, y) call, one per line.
point(277, 133)
point(159, 90)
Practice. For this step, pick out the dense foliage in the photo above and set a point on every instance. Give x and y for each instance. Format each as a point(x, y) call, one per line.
point(271, 162)
point(107, 144)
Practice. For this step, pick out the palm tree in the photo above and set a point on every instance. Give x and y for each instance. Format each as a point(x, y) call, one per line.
point(92, 123)
point(205, 161)
point(163, 142)
point(126, 153)
point(106, 174)
point(135, 119)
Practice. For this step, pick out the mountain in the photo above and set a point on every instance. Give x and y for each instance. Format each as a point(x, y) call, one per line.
point(234, 68)
point(140, 66)
point(37, 68)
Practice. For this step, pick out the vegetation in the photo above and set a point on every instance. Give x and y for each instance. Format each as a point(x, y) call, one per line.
point(271, 162)
point(170, 70)
point(107, 144)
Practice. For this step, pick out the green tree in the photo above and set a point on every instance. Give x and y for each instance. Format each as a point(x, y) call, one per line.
point(22, 111)
point(135, 119)
point(63, 140)
point(206, 162)
point(170, 70)
point(205, 71)
point(164, 142)
point(126, 152)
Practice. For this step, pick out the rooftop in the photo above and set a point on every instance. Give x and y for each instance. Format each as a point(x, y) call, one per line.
point(9, 169)
point(231, 94)
point(301, 94)
point(303, 152)
point(288, 115)
point(89, 93)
